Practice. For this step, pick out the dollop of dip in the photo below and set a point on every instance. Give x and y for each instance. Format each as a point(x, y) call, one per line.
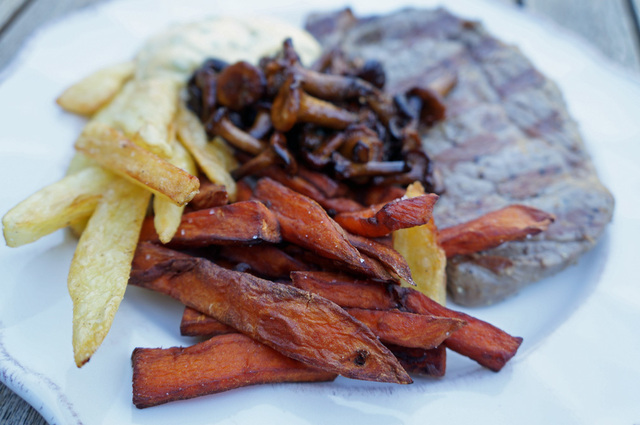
point(177, 52)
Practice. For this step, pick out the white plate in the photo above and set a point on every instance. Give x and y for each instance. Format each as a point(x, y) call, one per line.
point(578, 364)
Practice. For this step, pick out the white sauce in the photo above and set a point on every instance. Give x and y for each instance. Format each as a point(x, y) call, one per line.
point(177, 52)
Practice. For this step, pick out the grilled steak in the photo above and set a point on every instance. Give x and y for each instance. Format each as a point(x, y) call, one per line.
point(507, 139)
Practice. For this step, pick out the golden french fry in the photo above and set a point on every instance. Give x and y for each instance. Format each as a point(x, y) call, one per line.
point(101, 264)
point(144, 110)
point(222, 150)
point(426, 258)
point(167, 215)
point(91, 93)
point(78, 163)
point(55, 206)
point(111, 149)
point(215, 158)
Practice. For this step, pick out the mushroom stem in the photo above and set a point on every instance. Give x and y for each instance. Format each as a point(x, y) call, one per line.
point(293, 105)
point(261, 124)
point(276, 153)
point(317, 111)
point(348, 170)
point(221, 125)
point(333, 87)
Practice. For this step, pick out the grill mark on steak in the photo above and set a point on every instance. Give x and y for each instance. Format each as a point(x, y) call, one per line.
point(507, 138)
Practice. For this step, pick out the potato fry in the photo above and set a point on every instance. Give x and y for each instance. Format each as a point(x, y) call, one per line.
point(144, 110)
point(101, 264)
point(111, 149)
point(167, 215)
point(214, 159)
point(426, 258)
point(219, 364)
point(79, 162)
point(91, 93)
point(72, 198)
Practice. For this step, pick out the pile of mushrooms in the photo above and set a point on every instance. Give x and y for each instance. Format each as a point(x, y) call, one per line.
point(333, 117)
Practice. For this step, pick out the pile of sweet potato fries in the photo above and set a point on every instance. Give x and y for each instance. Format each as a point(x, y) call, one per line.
point(297, 280)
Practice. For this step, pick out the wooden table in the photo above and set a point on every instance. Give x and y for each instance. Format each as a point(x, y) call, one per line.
point(613, 26)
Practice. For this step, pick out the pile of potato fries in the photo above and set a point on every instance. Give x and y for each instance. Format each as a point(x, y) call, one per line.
point(284, 286)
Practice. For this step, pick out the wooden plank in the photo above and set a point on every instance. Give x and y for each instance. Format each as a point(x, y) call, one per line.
point(607, 24)
point(31, 17)
point(7, 9)
point(634, 6)
point(14, 410)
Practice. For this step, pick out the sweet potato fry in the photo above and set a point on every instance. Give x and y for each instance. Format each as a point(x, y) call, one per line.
point(391, 259)
point(478, 340)
point(194, 323)
point(369, 267)
point(346, 291)
point(382, 194)
point(219, 364)
point(298, 324)
point(294, 182)
point(393, 327)
point(407, 329)
point(340, 205)
point(486, 344)
point(238, 223)
point(306, 188)
point(210, 195)
point(380, 220)
point(325, 184)
point(305, 223)
point(264, 260)
point(244, 191)
point(507, 224)
point(418, 361)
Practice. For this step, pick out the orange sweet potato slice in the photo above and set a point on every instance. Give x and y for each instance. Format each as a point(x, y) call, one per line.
point(380, 220)
point(264, 260)
point(210, 195)
point(222, 363)
point(481, 341)
point(300, 325)
point(346, 291)
point(486, 344)
point(303, 186)
point(407, 329)
point(305, 223)
point(238, 223)
point(495, 228)
point(194, 323)
point(418, 361)
point(391, 259)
